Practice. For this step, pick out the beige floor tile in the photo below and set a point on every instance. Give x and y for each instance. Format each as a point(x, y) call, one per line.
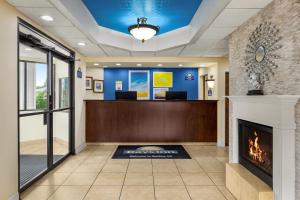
point(84, 153)
point(54, 179)
point(105, 148)
point(140, 161)
point(226, 193)
point(139, 179)
point(171, 193)
point(188, 166)
point(163, 161)
point(78, 172)
point(67, 167)
point(161, 166)
point(102, 153)
point(137, 193)
point(205, 193)
point(110, 179)
point(38, 192)
point(167, 179)
point(75, 159)
point(89, 167)
point(211, 164)
point(70, 193)
point(116, 166)
point(217, 151)
point(223, 159)
point(217, 178)
point(81, 179)
point(139, 168)
point(194, 147)
point(198, 153)
point(196, 179)
point(104, 193)
point(95, 159)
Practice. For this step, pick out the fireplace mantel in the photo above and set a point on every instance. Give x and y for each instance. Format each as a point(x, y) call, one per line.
point(277, 111)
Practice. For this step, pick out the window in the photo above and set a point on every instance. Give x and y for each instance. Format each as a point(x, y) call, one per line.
point(33, 86)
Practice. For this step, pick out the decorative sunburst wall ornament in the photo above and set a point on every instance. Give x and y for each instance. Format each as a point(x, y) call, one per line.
point(261, 56)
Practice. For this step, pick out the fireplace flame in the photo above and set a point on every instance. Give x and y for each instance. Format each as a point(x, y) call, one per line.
point(255, 152)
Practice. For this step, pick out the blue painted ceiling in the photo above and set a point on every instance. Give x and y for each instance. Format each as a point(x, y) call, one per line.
point(119, 14)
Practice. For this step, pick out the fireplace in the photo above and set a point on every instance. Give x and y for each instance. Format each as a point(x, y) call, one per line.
point(256, 149)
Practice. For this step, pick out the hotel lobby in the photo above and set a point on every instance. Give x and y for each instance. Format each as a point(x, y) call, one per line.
point(150, 100)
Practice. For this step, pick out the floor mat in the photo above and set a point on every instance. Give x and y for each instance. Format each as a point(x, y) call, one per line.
point(151, 152)
point(32, 165)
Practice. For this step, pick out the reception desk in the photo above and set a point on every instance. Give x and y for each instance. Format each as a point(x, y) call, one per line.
point(151, 121)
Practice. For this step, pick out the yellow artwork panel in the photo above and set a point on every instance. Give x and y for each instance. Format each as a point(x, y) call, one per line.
point(163, 79)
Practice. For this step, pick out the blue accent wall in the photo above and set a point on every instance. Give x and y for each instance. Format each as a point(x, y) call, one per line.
point(119, 14)
point(111, 75)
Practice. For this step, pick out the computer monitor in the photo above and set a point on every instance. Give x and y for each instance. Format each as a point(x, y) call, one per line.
point(176, 95)
point(128, 95)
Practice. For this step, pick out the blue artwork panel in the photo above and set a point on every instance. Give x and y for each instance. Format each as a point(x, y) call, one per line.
point(139, 81)
point(119, 14)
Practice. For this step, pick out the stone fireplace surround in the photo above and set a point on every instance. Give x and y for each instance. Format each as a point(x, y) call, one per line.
point(277, 111)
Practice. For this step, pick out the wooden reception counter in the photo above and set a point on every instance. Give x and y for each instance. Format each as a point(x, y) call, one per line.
point(151, 121)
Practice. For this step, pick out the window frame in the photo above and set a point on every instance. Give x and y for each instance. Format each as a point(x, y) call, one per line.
point(25, 84)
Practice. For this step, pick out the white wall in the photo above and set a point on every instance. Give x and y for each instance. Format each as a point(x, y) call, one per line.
point(9, 101)
point(213, 71)
point(218, 71)
point(223, 67)
point(201, 72)
point(80, 104)
point(96, 73)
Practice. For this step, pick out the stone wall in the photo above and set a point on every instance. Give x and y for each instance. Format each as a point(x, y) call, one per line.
point(285, 14)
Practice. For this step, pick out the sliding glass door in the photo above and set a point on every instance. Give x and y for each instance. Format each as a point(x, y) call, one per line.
point(61, 110)
point(45, 107)
point(33, 106)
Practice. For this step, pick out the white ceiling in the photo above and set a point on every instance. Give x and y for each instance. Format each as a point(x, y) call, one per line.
point(204, 38)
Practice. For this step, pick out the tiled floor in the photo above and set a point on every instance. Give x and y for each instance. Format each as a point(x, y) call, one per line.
point(93, 175)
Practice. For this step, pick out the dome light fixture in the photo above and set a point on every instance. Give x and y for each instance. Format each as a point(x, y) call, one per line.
point(143, 31)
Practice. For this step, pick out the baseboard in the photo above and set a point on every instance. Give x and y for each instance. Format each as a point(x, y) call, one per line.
point(14, 197)
point(221, 144)
point(80, 148)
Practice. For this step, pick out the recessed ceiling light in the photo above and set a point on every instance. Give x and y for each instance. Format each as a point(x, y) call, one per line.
point(139, 65)
point(28, 49)
point(96, 64)
point(118, 64)
point(180, 65)
point(81, 44)
point(160, 65)
point(47, 18)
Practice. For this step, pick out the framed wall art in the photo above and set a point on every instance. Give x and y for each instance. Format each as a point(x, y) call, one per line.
point(98, 86)
point(89, 83)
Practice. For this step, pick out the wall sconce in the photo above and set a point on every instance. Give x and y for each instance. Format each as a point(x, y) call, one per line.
point(210, 81)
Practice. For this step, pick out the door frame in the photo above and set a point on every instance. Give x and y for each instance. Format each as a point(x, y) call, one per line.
point(227, 108)
point(51, 52)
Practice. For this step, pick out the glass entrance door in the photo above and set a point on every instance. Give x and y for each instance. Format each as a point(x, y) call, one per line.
point(45, 106)
point(61, 109)
point(33, 112)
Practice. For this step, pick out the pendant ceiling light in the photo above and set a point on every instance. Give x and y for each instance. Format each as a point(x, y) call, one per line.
point(143, 31)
